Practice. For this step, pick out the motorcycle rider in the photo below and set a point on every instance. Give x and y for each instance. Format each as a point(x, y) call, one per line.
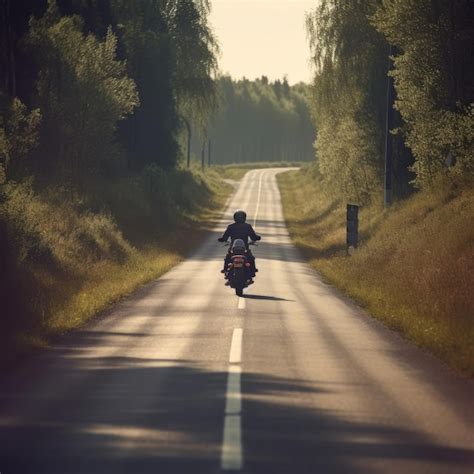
point(240, 230)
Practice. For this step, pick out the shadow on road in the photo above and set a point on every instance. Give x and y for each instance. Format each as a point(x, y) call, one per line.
point(265, 298)
point(120, 414)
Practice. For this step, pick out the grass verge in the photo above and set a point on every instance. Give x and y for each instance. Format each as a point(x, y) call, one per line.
point(237, 171)
point(69, 256)
point(414, 269)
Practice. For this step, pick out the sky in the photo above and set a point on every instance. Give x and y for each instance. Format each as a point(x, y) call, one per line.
point(263, 37)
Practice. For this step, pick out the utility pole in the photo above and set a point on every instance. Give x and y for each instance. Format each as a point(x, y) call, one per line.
point(203, 152)
point(388, 136)
point(188, 150)
point(209, 153)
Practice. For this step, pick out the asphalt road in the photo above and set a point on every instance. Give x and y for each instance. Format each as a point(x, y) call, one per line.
point(185, 377)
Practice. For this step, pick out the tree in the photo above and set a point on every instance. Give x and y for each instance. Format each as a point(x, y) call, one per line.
point(196, 62)
point(18, 135)
point(253, 123)
point(82, 91)
point(348, 96)
point(434, 81)
point(170, 52)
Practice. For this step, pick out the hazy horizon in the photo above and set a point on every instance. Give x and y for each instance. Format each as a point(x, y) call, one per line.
point(263, 37)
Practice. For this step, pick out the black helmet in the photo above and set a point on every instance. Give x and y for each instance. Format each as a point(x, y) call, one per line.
point(240, 216)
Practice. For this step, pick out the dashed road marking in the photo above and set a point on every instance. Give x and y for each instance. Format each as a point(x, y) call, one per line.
point(235, 355)
point(241, 304)
point(231, 458)
point(231, 454)
point(233, 402)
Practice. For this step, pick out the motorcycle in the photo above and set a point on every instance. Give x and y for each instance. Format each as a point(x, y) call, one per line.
point(238, 272)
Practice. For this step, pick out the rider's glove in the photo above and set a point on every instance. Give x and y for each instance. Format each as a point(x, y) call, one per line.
point(258, 237)
point(220, 239)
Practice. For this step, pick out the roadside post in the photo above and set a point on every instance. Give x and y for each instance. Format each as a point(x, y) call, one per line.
point(352, 227)
point(188, 148)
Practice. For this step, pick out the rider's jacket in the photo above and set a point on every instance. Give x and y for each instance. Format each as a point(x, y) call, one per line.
point(239, 230)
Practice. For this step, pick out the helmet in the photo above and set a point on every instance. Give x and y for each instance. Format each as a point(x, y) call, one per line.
point(238, 246)
point(240, 216)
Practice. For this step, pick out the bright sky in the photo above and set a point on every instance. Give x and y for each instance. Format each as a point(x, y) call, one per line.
point(263, 37)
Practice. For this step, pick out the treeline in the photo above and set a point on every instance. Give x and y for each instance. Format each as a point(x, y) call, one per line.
point(430, 43)
point(100, 87)
point(258, 121)
point(94, 95)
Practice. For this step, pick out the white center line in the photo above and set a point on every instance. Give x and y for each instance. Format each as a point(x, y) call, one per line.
point(258, 198)
point(235, 355)
point(231, 455)
point(233, 403)
point(241, 304)
point(231, 458)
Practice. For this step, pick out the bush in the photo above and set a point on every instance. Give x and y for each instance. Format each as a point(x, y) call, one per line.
point(65, 256)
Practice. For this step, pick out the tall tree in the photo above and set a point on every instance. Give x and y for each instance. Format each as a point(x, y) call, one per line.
point(348, 104)
point(254, 123)
point(17, 68)
point(82, 92)
point(434, 79)
point(196, 62)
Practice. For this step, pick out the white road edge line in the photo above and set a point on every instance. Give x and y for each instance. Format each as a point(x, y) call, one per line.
point(258, 198)
point(235, 355)
point(241, 304)
point(231, 454)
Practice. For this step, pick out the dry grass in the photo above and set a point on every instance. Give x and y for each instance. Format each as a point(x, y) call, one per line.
point(68, 260)
point(414, 269)
point(237, 171)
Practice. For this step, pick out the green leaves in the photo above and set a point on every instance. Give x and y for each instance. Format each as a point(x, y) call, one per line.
point(113, 80)
point(196, 66)
point(433, 75)
point(18, 135)
point(171, 55)
point(83, 91)
point(348, 96)
point(433, 82)
point(261, 121)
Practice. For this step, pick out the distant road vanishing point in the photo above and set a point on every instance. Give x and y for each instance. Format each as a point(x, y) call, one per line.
point(185, 377)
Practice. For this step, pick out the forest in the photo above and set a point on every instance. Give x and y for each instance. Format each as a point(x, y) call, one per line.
point(258, 120)
point(94, 88)
point(426, 48)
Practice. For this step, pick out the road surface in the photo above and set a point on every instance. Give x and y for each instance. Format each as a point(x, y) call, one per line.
point(185, 377)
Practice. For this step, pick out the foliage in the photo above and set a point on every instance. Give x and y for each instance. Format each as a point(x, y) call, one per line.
point(236, 171)
point(431, 44)
point(69, 255)
point(92, 93)
point(149, 134)
point(159, 61)
point(82, 91)
point(18, 135)
point(260, 121)
point(348, 96)
point(196, 60)
point(434, 79)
